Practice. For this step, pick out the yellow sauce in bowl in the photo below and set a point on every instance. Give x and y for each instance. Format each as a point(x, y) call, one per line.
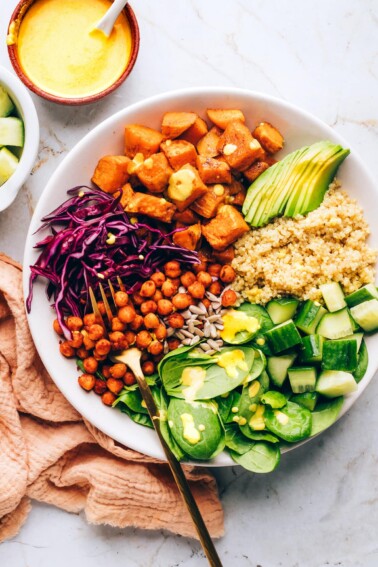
point(62, 55)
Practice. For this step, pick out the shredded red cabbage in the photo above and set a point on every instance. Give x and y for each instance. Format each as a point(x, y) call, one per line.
point(92, 240)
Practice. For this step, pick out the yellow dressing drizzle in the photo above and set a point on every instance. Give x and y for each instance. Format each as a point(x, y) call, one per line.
point(190, 433)
point(193, 377)
point(237, 321)
point(231, 361)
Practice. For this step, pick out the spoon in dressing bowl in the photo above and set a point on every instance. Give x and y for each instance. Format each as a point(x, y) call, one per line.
point(106, 24)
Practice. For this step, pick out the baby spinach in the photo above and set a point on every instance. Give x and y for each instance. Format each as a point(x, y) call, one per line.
point(259, 313)
point(226, 404)
point(258, 366)
point(235, 440)
point(291, 423)
point(261, 458)
point(325, 414)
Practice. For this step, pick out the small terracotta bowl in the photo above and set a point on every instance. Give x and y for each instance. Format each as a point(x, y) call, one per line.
point(14, 25)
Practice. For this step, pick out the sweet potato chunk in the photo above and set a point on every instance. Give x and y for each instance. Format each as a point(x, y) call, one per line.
point(235, 186)
point(149, 205)
point(224, 256)
point(179, 153)
point(222, 117)
point(111, 173)
point(207, 146)
point(213, 170)
point(195, 132)
point(189, 237)
point(155, 172)
point(255, 170)
point(141, 139)
point(239, 198)
point(269, 137)
point(225, 228)
point(185, 217)
point(185, 186)
point(175, 123)
point(238, 146)
point(208, 204)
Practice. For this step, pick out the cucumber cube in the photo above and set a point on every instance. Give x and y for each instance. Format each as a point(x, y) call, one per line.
point(11, 131)
point(283, 309)
point(302, 379)
point(6, 105)
point(307, 400)
point(283, 336)
point(366, 315)
point(8, 165)
point(309, 316)
point(365, 293)
point(335, 325)
point(340, 355)
point(333, 383)
point(312, 348)
point(333, 296)
point(277, 367)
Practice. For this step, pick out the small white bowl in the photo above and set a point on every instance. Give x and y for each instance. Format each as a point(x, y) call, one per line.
point(27, 112)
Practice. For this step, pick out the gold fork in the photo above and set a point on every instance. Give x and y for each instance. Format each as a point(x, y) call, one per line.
point(131, 357)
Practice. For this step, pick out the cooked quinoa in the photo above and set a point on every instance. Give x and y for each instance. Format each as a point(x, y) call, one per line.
point(294, 256)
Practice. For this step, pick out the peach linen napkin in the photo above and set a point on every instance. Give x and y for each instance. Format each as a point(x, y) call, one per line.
point(49, 453)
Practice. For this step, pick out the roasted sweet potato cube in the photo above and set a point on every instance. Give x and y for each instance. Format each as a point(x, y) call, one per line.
point(224, 256)
point(238, 146)
point(185, 186)
point(221, 117)
point(269, 137)
point(126, 193)
point(213, 170)
point(143, 204)
point(141, 139)
point(175, 123)
point(185, 217)
point(189, 237)
point(225, 228)
point(111, 173)
point(235, 186)
point(155, 172)
point(208, 204)
point(208, 145)
point(255, 170)
point(195, 132)
point(179, 153)
point(238, 199)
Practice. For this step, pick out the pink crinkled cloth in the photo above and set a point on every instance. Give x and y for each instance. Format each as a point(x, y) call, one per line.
point(49, 453)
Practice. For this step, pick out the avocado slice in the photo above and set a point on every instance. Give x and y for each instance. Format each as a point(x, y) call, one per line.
point(265, 183)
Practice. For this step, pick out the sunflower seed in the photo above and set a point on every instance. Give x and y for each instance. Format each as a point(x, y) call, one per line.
point(186, 334)
point(212, 297)
point(180, 335)
point(186, 314)
point(213, 318)
point(196, 322)
point(213, 344)
point(194, 340)
point(170, 331)
point(213, 331)
point(182, 289)
point(198, 332)
point(202, 307)
point(166, 347)
point(216, 305)
point(206, 329)
point(211, 351)
point(205, 347)
point(219, 326)
point(186, 342)
point(195, 309)
point(191, 327)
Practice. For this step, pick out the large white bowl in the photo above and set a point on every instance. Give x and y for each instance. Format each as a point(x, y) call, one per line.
point(26, 110)
point(298, 127)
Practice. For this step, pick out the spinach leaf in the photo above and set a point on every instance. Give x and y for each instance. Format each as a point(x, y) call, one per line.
point(133, 400)
point(262, 458)
point(291, 423)
point(235, 440)
point(258, 366)
point(162, 404)
point(260, 314)
point(362, 363)
point(258, 435)
point(325, 414)
point(225, 406)
point(140, 418)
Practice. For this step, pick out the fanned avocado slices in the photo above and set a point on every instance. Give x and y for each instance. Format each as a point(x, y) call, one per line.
point(295, 185)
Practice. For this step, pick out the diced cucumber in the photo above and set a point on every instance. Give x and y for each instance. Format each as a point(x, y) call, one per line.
point(365, 293)
point(277, 367)
point(340, 355)
point(363, 362)
point(283, 309)
point(309, 316)
point(335, 325)
point(6, 104)
point(11, 131)
point(333, 383)
point(333, 296)
point(283, 336)
point(8, 165)
point(366, 314)
point(307, 400)
point(302, 379)
point(355, 325)
point(312, 348)
point(357, 336)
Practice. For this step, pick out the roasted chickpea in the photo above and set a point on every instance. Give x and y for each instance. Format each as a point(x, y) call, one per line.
point(101, 307)
point(164, 307)
point(82, 353)
point(206, 302)
point(155, 348)
point(118, 370)
point(172, 269)
point(74, 323)
point(229, 298)
point(214, 270)
point(157, 295)
point(151, 321)
point(103, 346)
point(126, 314)
point(129, 379)
point(197, 290)
point(87, 381)
point(148, 289)
point(148, 307)
point(204, 278)
point(95, 332)
point(66, 349)
point(77, 339)
point(216, 288)
point(105, 370)
point(137, 298)
point(227, 274)
point(108, 398)
point(181, 300)
point(160, 332)
point(187, 279)
point(100, 386)
point(173, 343)
point(130, 337)
point(137, 323)
point(99, 357)
point(118, 340)
point(168, 289)
point(158, 278)
point(89, 319)
point(176, 320)
point(143, 339)
point(114, 385)
point(148, 367)
point(88, 343)
point(201, 267)
point(121, 298)
point(57, 328)
point(90, 365)
point(117, 325)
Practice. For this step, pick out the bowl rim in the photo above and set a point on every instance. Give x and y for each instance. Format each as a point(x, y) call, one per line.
point(26, 108)
point(175, 96)
point(16, 18)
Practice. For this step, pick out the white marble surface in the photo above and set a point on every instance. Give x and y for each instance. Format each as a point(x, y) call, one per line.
point(320, 508)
